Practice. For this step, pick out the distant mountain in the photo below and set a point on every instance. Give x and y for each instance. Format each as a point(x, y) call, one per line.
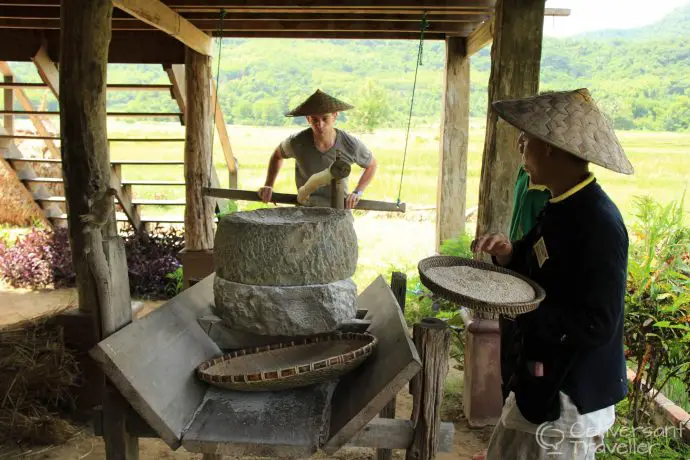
point(640, 77)
point(674, 25)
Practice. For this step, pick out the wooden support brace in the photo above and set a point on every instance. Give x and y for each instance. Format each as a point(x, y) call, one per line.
point(432, 338)
point(47, 70)
point(399, 288)
point(160, 16)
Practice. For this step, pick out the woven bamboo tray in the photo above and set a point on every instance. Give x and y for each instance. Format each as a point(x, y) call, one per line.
point(508, 308)
point(292, 364)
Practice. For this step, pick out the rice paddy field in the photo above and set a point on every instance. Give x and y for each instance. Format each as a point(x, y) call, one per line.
point(661, 162)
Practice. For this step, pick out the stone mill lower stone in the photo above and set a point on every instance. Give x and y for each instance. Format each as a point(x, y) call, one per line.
point(285, 310)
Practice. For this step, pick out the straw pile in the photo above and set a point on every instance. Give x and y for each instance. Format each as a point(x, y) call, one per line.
point(37, 375)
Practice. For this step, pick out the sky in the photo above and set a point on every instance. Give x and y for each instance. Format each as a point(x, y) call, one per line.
point(589, 15)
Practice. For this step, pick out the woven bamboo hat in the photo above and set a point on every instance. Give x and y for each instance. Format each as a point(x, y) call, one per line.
point(319, 103)
point(571, 121)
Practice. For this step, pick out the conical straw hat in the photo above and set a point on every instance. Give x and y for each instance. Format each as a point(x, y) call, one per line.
point(571, 121)
point(317, 104)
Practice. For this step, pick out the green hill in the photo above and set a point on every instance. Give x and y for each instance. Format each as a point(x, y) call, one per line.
point(641, 77)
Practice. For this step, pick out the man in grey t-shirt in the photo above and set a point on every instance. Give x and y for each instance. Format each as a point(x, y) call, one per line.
point(314, 149)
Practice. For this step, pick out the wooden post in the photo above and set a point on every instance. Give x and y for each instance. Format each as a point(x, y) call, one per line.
point(338, 193)
point(455, 125)
point(432, 338)
point(482, 397)
point(198, 215)
point(97, 252)
point(515, 62)
point(9, 104)
point(399, 288)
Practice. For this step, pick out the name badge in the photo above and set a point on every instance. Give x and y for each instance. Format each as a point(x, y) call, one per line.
point(540, 251)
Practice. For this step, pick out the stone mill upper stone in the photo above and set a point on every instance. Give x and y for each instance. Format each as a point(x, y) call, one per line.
point(286, 246)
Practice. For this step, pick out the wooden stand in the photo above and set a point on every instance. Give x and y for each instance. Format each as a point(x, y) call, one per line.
point(482, 400)
point(432, 338)
point(196, 265)
point(187, 412)
point(399, 288)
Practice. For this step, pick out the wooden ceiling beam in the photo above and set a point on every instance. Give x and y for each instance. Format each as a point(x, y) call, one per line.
point(333, 15)
point(126, 47)
point(351, 4)
point(160, 16)
point(232, 26)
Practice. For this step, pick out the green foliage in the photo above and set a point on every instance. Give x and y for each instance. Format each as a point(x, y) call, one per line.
point(458, 246)
point(641, 442)
point(178, 281)
point(657, 319)
point(373, 107)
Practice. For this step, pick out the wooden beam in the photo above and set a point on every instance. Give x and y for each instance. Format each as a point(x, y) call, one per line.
point(418, 5)
point(515, 65)
point(125, 197)
point(451, 199)
point(223, 137)
point(337, 14)
point(482, 36)
point(290, 198)
point(47, 70)
point(160, 16)
point(9, 103)
point(111, 87)
point(231, 26)
point(238, 26)
point(110, 114)
point(557, 12)
point(198, 214)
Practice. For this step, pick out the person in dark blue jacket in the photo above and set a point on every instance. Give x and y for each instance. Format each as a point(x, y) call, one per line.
point(570, 369)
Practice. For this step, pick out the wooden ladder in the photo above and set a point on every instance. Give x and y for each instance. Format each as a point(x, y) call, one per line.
point(40, 179)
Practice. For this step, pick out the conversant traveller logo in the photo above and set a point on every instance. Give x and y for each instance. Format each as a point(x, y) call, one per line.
point(621, 440)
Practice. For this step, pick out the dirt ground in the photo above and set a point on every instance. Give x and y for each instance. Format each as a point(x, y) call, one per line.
point(18, 304)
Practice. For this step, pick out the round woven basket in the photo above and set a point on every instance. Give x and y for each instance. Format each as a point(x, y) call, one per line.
point(508, 308)
point(293, 364)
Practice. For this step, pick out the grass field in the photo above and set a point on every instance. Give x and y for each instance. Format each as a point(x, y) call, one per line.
point(661, 162)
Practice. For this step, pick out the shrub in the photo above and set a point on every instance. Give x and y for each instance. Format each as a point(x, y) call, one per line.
point(28, 263)
point(42, 258)
point(657, 316)
point(151, 259)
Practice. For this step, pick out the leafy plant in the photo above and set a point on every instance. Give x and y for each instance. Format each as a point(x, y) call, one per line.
point(177, 277)
point(642, 442)
point(28, 262)
point(657, 330)
point(150, 260)
point(42, 258)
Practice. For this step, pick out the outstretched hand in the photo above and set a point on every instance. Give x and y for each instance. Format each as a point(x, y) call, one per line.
point(494, 244)
point(265, 193)
point(351, 201)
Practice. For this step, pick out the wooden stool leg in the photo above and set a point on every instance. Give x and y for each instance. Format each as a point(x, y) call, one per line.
point(432, 338)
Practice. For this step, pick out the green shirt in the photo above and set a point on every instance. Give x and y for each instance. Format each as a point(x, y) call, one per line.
point(528, 202)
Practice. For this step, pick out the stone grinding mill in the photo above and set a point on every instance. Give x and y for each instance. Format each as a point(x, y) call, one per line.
point(282, 284)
